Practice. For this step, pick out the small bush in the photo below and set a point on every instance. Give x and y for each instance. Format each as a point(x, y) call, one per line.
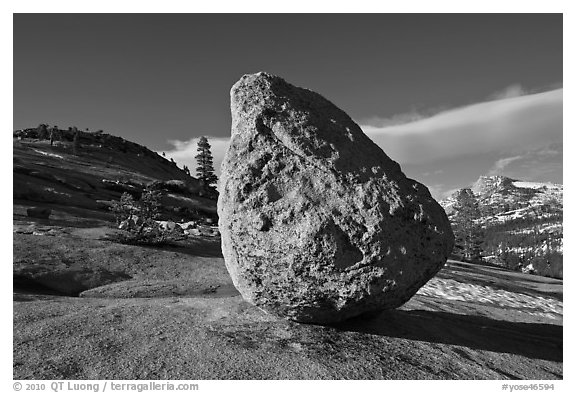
point(146, 234)
point(150, 204)
point(136, 219)
point(124, 208)
point(175, 186)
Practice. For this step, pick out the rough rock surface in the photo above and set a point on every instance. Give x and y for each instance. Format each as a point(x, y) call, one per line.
point(318, 224)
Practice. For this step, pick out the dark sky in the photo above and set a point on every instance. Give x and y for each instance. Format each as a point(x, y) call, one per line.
point(155, 77)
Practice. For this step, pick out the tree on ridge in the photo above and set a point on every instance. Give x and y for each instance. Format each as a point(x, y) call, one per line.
point(205, 163)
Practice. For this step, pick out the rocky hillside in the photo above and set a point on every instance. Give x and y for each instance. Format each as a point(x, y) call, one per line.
point(521, 222)
point(103, 167)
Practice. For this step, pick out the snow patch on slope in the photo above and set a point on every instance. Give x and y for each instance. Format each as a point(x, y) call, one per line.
point(450, 289)
point(535, 185)
point(48, 154)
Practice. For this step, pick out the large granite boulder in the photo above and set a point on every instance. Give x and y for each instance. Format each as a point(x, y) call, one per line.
point(318, 224)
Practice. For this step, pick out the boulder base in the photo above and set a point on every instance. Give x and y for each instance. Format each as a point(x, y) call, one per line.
point(318, 224)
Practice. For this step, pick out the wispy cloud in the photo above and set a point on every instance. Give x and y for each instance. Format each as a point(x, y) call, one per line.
point(502, 163)
point(505, 125)
point(403, 118)
point(440, 191)
point(511, 91)
point(537, 165)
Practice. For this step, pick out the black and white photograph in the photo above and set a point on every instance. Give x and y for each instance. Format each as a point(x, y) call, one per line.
point(286, 196)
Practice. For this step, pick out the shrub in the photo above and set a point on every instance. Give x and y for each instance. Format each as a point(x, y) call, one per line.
point(175, 186)
point(136, 219)
point(150, 204)
point(124, 208)
point(146, 234)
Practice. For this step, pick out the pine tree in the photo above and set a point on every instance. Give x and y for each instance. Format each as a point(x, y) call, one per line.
point(205, 167)
point(468, 233)
point(76, 141)
point(53, 134)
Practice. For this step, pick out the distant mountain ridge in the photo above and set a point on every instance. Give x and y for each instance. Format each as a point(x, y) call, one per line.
point(522, 221)
point(500, 194)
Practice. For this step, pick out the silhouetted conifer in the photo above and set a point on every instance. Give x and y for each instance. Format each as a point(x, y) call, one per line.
point(205, 166)
point(76, 142)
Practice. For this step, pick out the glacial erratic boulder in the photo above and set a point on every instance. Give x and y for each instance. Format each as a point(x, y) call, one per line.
point(318, 224)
